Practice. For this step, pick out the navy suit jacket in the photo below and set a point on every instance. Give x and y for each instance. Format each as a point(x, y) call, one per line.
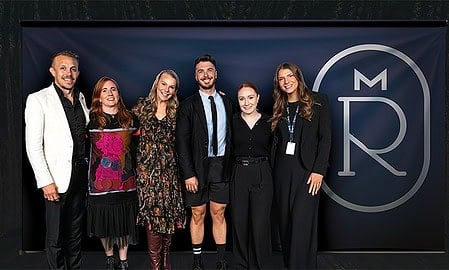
point(192, 138)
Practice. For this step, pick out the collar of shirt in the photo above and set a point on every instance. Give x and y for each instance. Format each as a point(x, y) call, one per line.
point(205, 97)
point(76, 93)
point(221, 118)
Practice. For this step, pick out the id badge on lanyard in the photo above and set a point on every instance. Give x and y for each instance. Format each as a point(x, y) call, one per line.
point(290, 149)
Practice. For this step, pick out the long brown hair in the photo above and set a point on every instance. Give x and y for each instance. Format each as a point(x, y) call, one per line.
point(149, 104)
point(123, 115)
point(280, 97)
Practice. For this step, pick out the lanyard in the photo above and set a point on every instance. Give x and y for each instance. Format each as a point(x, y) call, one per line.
point(291, 123)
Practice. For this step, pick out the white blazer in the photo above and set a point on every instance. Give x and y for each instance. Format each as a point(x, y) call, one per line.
point(49, 143)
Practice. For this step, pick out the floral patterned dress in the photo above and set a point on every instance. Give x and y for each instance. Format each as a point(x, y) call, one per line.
point(158, 187)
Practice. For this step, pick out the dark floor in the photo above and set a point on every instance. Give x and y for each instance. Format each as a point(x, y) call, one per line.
point(182, 260)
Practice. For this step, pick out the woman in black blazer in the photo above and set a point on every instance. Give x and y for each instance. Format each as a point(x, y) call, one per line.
point(302, 131)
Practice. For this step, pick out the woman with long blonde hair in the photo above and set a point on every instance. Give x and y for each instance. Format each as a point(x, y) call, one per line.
point(161, 208)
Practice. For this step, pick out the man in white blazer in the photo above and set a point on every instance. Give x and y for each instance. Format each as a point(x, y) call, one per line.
point(56, 136)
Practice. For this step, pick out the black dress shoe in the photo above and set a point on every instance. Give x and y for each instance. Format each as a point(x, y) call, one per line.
point(123, 265)
point(222, 265)
point(110, 262)
point(197, 265)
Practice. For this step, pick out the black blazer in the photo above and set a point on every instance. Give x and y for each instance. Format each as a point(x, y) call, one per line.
point(314, 137)
point(192, 139)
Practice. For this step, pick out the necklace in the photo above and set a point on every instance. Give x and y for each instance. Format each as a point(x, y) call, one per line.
point(251, 120)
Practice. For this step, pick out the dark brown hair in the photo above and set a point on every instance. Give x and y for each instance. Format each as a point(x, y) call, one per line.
point(205, 58)
point(280, 97)
point(65, 53)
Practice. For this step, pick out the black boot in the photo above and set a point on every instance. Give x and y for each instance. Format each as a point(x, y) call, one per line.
point(110, 262)
point(197, 263)
point(123, 265)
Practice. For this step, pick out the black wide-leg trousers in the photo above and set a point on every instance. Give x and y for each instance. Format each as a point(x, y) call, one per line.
point(298, 215)
point(251, 202)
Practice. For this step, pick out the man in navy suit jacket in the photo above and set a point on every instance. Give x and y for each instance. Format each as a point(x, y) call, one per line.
point(203, 168)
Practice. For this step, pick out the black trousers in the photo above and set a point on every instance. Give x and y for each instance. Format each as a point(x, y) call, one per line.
point(298, 214)
point(64, 220)
point(251, 201)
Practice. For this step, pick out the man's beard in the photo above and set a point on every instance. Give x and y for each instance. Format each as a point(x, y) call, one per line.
point(207, 87)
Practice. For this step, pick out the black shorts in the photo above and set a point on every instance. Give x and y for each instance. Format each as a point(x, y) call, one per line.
point(216, 189)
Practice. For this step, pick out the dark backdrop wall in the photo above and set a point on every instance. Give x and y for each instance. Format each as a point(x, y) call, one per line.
point(13, 12)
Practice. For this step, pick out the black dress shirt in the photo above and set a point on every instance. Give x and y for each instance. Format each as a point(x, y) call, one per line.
point(255, 142)
point(77, 123)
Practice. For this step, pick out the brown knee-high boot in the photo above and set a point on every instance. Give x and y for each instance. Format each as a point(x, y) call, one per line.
point(154, 249)
point(166, 242)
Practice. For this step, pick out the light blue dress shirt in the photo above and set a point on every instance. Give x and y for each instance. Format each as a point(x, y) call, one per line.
point(221, 122)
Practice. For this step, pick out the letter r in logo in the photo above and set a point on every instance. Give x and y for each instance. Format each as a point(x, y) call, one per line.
point(373, 153)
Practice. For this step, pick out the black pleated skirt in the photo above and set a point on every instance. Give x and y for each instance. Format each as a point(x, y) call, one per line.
point(113, 216)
